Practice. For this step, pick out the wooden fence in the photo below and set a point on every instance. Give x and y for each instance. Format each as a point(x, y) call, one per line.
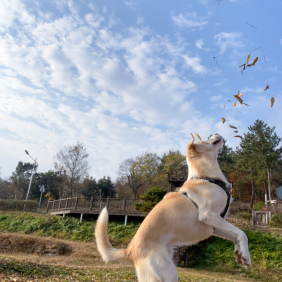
point(93, 204)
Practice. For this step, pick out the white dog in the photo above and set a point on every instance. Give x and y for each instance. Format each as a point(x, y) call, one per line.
point(186, 217)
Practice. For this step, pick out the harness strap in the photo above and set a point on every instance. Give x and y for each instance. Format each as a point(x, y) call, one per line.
point(220, 184)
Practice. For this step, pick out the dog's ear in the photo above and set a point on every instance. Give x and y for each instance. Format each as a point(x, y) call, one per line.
point(191, 145)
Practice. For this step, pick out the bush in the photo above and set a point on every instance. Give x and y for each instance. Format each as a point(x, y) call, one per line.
point(259, 206)
point(276, 220)
point(18, 205)
point(244, 215)
point(150, 198)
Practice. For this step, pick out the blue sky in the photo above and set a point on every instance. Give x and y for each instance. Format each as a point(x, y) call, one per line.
point(126, 77)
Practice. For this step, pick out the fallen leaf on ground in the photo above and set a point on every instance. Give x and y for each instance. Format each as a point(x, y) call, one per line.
point(198, 136)
point(272, 100)
point(267, 87)
point(239, 136)
point(232, 126)
point(223, 120)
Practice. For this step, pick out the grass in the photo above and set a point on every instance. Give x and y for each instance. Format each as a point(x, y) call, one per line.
point(214, 255)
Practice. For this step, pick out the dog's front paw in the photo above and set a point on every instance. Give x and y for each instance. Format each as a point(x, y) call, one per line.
point(244, 260)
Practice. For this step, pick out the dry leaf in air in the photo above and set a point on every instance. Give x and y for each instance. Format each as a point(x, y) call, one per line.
point(223, 120)
point(272, 100)
point(236, 131)
point(232, 126)
point(238, 98)
point(198, 136)
point(253, 63)
point(234, 105)
point(248, 58)
point(267, 87)
point(239, 136)
point(242, 65)
point(240, 95)
point(229, 101)
point(246, 104)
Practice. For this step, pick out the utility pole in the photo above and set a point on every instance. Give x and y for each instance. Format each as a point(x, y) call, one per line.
point(35, 165)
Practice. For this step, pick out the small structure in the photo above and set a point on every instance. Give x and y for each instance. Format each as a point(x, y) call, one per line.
point(175, 182)
point(81, 206)
point(180, 254)
point(261, 217)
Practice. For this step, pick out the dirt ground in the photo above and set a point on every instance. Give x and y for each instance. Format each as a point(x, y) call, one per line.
point(85, 256)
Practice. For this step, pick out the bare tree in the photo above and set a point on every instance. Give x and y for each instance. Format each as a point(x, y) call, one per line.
point(126, 169)
point(72, 161)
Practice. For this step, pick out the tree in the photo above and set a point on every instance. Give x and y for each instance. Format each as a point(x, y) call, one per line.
point(152, 196)
point(20, 179)
point(225, 159)
point(106, 186)
point(72, 161)
point(126, 170)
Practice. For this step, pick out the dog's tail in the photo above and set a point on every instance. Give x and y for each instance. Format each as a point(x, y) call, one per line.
point(107, 251)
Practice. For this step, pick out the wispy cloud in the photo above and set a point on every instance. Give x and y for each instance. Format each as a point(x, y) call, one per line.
point(131, 5)
point(199, 44)
point(194, 63)
point(189, 20)
point(228, 40)
point(216, 98)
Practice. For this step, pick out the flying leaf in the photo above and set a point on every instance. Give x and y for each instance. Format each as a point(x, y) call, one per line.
point(239, 136)
point(267, 87)
point(198, 136)
point(236, 131)
point(242, 71)
point(229, 101)
point(234, 105)
point(246, 104)
point(255, 60)
point(242, 65)
point(223, 120)
point(272, 100)
point(248, 58)
point(240, 95)
point(238, 99)
point(232, 126)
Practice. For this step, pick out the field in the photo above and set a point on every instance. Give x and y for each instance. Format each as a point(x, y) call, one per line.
point(211, 260)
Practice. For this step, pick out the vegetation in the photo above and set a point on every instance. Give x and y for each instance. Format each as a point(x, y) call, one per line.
point(276, 221)
point(150, 198)
point(259, 206)
point(18, 205)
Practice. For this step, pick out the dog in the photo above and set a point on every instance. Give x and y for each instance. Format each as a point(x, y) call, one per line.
point(186, 217)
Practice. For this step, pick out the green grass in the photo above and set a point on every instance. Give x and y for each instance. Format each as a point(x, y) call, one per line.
point(63, 227)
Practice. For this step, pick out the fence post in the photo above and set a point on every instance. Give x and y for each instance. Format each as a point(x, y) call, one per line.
point(124, 203)
point(47, 206)
point(67, 203)
point(91, 203)
point(53, 204)
point(76, 202)
point(107, 203)
point(59, 204)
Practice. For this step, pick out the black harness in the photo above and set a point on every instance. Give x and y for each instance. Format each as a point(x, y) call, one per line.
point(222, 185)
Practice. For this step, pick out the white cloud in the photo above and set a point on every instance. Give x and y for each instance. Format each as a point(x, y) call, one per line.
point(189, 20)
point(216, 98)
point(199, 44)
point(194, 63)
point(228, 40)
point(140, 20)
point(131, 5)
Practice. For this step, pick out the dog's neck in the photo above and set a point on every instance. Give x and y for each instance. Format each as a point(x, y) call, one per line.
point(205, 168)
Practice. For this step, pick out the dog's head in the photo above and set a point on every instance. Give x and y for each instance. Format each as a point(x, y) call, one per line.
point(205, 149)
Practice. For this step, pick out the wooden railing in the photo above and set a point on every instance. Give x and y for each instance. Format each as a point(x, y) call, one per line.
point(92, 204)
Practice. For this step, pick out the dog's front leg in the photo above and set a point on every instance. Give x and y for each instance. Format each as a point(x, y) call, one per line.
point(219, 223)
point(224, 235)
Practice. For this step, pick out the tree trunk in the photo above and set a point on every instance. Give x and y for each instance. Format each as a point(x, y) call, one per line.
point(269, 189)
point(253, 194)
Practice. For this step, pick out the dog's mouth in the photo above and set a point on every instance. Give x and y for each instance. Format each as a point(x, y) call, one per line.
point(216, 142)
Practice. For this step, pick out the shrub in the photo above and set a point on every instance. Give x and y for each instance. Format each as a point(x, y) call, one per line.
point(244, 215)
point(150, 198)
point(18, 205)
point(259, 206)
point(276, 220)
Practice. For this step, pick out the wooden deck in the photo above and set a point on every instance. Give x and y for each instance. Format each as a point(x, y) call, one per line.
point(88, 206)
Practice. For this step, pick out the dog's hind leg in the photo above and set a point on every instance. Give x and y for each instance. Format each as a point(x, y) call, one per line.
point(156, 271)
